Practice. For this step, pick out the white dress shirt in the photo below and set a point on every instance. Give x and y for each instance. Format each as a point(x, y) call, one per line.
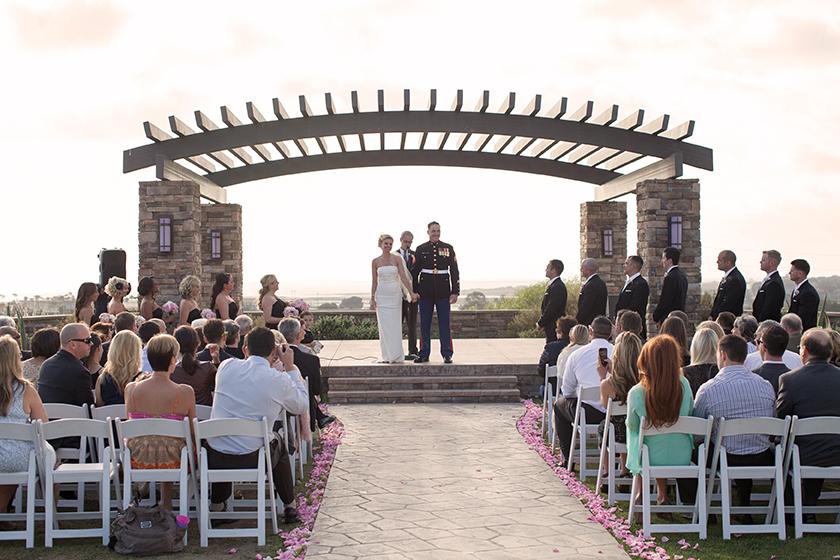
point(580, 370)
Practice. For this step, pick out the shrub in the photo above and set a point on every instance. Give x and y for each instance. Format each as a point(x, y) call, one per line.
point(344, 328)
point(354, 302)
point(528, 300)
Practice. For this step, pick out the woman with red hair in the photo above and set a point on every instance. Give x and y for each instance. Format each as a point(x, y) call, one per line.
point(661, 397)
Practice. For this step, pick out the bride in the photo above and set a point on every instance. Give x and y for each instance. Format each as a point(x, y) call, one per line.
point(390, 278)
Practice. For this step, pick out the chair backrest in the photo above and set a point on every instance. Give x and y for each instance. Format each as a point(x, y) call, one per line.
point(550, 371)
point(107, 411)
point(775, 427)
point(592, 393)
point(138, 427)
point(20, 431)
point(688, 425)
point(59, 411)
point(71, 427)
point(615, 409)
point(809, 427)
point(221, 427)
point(202, 411)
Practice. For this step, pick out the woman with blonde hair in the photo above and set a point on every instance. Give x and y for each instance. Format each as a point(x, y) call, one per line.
point(389, 272)
point(84, 312)
point(714, 326)
point(188, 310)
point(271, 306)
point(117, 288)
point(578, 338)
point(19, 404)
point(123, 365)
point(703, 364)
point(661, 397)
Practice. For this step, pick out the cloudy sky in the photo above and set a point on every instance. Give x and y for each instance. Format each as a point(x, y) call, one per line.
point(80, 77)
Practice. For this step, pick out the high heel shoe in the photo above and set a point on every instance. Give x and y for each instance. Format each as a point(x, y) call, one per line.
point(663, 515)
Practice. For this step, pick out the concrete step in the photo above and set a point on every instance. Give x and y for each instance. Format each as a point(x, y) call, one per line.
point(425, 396)
point(400, 383)
point(426, 369)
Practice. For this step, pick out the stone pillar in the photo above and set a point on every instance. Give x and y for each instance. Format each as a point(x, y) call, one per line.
point(657, 202)
point(226, 220)
point(179, 202)
point(595, 219)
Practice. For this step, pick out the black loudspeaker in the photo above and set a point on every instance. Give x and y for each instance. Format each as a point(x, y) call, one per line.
point(111, 263)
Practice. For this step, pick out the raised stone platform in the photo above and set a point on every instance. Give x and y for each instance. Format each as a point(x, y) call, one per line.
point(484, 370)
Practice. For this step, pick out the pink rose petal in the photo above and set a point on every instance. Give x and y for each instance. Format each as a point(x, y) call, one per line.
point(232, 551)
point(553, 549)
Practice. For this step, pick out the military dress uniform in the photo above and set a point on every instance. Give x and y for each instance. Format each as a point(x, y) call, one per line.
point(436, 269)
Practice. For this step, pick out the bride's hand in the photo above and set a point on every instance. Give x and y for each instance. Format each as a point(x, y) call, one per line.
point(373, 302)
point(414, 296)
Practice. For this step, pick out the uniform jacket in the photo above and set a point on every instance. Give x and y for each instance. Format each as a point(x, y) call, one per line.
point(436, 256)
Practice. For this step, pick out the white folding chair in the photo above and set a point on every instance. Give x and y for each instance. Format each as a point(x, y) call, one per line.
point(24, 479)
point(691, 427)
point(772, 428)
point(548, 399)
point(583, 432)
point(610, 462)
point(99, 473)
point(140, 427)
point(61, 411)
point(261, 475)
point(107, 411)
point(801, 427)
point(110, 412)
point(202, 412)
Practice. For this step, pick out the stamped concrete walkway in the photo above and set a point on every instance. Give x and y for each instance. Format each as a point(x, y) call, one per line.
point(447, 481)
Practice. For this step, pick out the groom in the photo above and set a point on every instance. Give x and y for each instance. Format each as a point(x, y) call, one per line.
point(438, 285)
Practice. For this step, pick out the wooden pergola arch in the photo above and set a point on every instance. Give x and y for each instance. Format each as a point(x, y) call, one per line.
point(579, 145)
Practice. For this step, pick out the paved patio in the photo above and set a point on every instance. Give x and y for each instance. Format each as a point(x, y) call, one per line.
point(447, 481)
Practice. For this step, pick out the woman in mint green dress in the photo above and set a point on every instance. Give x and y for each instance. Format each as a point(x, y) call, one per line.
point(661, 396)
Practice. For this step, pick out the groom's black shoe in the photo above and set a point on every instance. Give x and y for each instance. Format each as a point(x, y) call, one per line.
point(420, 360)
point(447, 359)
point(411, 356)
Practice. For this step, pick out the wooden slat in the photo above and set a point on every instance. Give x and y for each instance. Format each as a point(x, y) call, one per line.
point(668, 168)
point(481, 140)
point(406, 101)
point(508, 104)
point(458, 102)
point(432, 100)
point(167, 170)
point(562, 149)
point(354, 101)
point(279, 110)
point(656, 126)
point(607, 117)
point(257, 117)
point(483, 102)
point(619, 161)
point(559, 109)
point(154, 133)
point(222, 158)
point(423, 140)
point(502, 143)
point(328, 101)
point(582, 152)
point(461, 140)
point(542, 147)
point(179, 127)
point(533, 106)
point(305, 109)
point(442, 140)
point(380, 100)
point(204, 123)
point(522, 144)
point(304, 149)
point(232, 120)
point(583, 114)
point(202, 163)
point(680, 132)
point(229, 118)
point(630, 122)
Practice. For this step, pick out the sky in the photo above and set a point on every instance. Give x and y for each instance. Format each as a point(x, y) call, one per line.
point(80, 78)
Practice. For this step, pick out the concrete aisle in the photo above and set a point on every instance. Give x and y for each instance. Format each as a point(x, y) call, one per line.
point(443, 481)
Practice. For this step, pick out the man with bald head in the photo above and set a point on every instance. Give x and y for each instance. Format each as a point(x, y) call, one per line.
point(592, 301)
point(732, 287)
point(63, 378)
point(808, 391)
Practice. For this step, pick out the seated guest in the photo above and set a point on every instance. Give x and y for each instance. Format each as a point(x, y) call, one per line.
point(214, 336)
point(703, 366)
point(736, 392)
point(147, 331)
point(793, 325)
point(308, 341)
point(552, 350)
point(12, 331)
point(199, 374)
point(232, 340)
point(189, 289)
point(772, 344)
point(64, 379)
point(580, 371)
point(754, 359)
point(117, 288)
point(19, 404)
point(245, 325)
point(6, 321)
point(726, 320)
point(310, 368)
point(629, 321)
point(45, 343)
point(578, 338)
point(674, 326)
point(122, 367)
point(714, 326)
point(623, 371)
point(681, 315)
point(661, 397)
point(236, 398)
point(156, 396)
point(745, 327)
point(807, 391)
point(125, 321)
point(835, 341)
point(92, 361)
point(88, 294)
point(102, 330)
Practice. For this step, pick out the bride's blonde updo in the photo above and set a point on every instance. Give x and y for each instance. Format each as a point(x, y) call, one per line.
point(383, 237)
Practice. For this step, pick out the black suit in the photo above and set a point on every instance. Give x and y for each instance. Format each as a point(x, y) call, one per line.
point(771, 371)
point(730, 295)
point(672, 298)
point(805, 302)
point(204, 355)
point(310, 368)
point(634, 296)
point(807, 391)
point(592, 301)
point(553, 307)
point(64, 379)
point(770, 298)
point(409, 308)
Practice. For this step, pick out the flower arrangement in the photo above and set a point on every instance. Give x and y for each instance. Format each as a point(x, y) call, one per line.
point(106, 318)
point(296, 308)
point(170, 308)
point(139, 320)
point(208, 314)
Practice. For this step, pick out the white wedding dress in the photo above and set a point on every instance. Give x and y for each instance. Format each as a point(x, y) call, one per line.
point(389, 314)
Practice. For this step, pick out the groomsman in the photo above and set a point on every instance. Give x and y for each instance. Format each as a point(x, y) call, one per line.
point(732, 288)
point(438, 284)
point(635, 293)
point(592, 301)
point(674, 286)
point(770, 298)
point(804, 301)
point(409, 308)
point(554, 300)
